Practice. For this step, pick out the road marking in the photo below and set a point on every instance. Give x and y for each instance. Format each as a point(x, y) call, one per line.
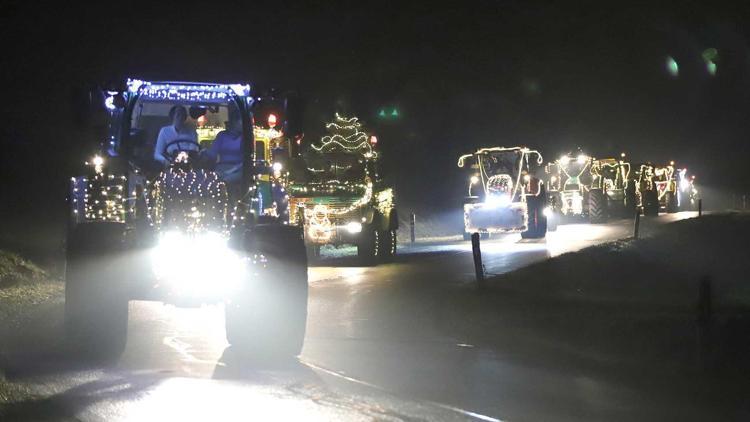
point(469, 413)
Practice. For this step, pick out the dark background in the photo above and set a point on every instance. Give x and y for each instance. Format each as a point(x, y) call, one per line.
point(552, 76)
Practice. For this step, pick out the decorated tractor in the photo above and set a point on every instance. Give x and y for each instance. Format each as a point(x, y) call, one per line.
point(569, 182)
point(657, 189)
point(339, 198)
point(504, 195)
point(587, 188)
point(687, 195)
point(172, 208)
point(611, 176)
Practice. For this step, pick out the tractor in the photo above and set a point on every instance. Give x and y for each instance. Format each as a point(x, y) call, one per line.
point(186, 229)
point(687, 195)
point(569, 182)
point(504, 195)
point(612, 177)
point(657, 189)
point(338, 195)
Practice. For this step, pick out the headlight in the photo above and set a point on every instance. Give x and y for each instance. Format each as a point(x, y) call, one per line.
point(98, 162)
point(197, 265)
point(501, 200)
point(547, 212)
point(581, 159)
point(354, 227)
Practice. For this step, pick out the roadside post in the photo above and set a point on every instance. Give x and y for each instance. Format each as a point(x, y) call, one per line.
point(412, 224)
point(477, 252)
point(744, 202)
point(637, 223)
point(700, 207)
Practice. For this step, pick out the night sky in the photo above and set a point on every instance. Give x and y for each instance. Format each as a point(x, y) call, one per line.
point(546, 75)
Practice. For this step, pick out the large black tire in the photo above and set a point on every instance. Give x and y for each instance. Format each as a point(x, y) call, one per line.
point(597, 206)
point(537, 223)
point(368, 246)
point(268, 317)
point(631, 200)
point(671, 201)
point(96, 297)
point(388, 245)
point(650, 203)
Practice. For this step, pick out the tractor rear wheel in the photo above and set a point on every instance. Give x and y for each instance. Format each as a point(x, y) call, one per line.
point(630, 201)
point(650, 203)
point(537, 221)
point(671, 200)
point(597, 206)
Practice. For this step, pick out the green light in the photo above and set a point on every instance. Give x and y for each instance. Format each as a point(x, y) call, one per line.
point(709, 56)
point(382, 112)
point(394, 113)
point(711, 67)
point(672, 67)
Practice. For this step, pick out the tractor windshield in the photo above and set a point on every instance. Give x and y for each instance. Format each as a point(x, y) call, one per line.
point(159, 129)
point(497, 163)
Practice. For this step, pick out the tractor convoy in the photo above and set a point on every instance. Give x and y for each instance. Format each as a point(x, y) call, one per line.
point(205, 193)
point(511, 192)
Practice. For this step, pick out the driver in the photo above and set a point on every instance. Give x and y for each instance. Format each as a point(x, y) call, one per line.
point(176, 137)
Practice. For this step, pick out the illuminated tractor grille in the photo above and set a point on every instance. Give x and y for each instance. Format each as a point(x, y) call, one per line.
point(323, 217)
point(571, 203)
point(99, 198)
point(191, 200)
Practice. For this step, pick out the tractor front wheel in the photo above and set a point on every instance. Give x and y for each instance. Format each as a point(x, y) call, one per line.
point(388, 244)
point(96, 301)
point(267, 318)
point(368, 246)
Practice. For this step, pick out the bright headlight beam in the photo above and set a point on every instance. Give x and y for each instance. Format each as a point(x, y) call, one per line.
point(197, 265)
point(354, 227)
point(502, 200)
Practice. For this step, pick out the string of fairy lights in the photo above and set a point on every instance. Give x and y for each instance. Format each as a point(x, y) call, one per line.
point(346, 135)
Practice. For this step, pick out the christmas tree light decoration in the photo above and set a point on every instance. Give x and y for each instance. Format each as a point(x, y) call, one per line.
point(345, 135)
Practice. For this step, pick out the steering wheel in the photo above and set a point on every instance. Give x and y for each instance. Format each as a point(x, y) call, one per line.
point(180, 142)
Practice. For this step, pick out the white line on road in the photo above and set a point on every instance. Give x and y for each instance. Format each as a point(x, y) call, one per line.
point(471, 414)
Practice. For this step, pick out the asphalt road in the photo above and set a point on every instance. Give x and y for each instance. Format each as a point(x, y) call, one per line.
point(374, 350)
